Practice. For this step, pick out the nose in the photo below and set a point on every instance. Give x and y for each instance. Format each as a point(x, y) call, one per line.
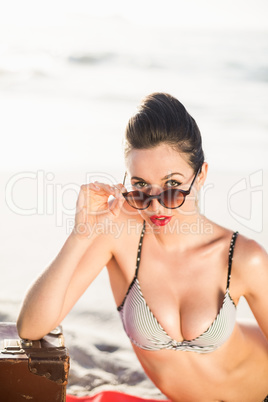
point(154, 205)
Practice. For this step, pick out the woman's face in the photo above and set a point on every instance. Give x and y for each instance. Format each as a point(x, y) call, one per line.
point(158, 169)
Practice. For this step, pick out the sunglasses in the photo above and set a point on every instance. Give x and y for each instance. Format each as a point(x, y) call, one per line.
point(172, 198)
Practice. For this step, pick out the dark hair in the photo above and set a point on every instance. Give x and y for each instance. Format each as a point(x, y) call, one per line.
point(161, 118)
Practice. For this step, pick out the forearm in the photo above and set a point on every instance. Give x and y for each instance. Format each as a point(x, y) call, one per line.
point(44, 301)
point(53, 294)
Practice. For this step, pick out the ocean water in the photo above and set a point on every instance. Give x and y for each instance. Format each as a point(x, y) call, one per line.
point(68, 90)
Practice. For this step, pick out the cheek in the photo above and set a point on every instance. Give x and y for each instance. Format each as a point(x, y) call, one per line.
point(189, 207)
point(144, 214)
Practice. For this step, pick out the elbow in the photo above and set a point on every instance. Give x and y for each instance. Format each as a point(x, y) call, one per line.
point(29, 335)
point(22, 332)
point(27, 332)
point(19, 327)
point(32, 330)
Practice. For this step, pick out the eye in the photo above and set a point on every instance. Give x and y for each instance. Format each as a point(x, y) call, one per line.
point(172, 183)
point(139, 185)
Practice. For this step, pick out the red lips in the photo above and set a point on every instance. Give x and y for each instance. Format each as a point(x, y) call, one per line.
point(160, 220)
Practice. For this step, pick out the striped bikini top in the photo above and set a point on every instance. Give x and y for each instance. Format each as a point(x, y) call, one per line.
point(146, 332)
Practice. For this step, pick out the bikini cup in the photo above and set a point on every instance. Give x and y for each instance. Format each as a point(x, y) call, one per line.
point(144, 330)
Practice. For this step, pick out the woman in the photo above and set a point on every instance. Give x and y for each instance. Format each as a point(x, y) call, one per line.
point(176, 288)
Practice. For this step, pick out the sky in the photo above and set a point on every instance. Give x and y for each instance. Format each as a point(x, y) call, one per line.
point(238, 14)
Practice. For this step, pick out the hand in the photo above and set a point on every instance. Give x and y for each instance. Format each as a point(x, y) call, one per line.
point(93, 211)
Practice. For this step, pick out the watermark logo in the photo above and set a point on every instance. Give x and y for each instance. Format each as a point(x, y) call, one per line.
point(47, 197)
point(245, 201)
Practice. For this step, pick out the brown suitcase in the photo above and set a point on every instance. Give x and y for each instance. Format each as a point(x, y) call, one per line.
point(35, 371)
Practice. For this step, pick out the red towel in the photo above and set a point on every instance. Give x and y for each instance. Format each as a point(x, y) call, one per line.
point(111, 396)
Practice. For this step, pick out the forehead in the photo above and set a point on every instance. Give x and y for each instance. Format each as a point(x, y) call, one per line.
point(157, 162)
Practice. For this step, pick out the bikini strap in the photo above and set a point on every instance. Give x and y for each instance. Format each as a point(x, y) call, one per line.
point(231, 252)
point(139, 250)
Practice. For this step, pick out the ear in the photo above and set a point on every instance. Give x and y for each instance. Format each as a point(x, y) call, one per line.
point(202, 175)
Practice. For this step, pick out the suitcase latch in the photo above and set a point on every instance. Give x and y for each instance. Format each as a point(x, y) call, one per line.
point(12, 346)
point(18, 346)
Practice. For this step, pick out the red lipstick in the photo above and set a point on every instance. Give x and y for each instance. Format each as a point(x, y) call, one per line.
point(160, 220)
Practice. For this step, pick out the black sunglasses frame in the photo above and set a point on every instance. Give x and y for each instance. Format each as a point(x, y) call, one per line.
point(159, 197)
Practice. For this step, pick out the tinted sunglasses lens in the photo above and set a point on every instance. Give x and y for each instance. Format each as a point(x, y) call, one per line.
point(172, 198)
point(137, 199)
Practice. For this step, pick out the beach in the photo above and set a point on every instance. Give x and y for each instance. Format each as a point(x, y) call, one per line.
point(101, 354)
point(65, 99)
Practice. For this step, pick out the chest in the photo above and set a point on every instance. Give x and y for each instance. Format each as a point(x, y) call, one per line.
point(184, 292)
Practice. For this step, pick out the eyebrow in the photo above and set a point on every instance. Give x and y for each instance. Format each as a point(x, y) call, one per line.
point(164, 178)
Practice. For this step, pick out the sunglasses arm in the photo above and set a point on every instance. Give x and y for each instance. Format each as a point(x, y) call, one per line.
point(125, 176)
point(195, 176)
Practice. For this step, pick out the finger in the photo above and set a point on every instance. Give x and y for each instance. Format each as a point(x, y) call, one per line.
point(120, 188)
point(116, 205)
point(89, 187)
point(106, 188)
point(117, 192)
point(94, 186)
point(80, 200)
point(83, 201)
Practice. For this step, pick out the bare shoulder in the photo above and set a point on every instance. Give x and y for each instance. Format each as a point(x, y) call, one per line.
point(250, 263)
point(217, 235)
point(251, 270)
point(249, 253)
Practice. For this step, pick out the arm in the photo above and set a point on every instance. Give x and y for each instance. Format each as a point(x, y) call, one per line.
point(54, 293)
point(254, 268)
point(80, 260)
